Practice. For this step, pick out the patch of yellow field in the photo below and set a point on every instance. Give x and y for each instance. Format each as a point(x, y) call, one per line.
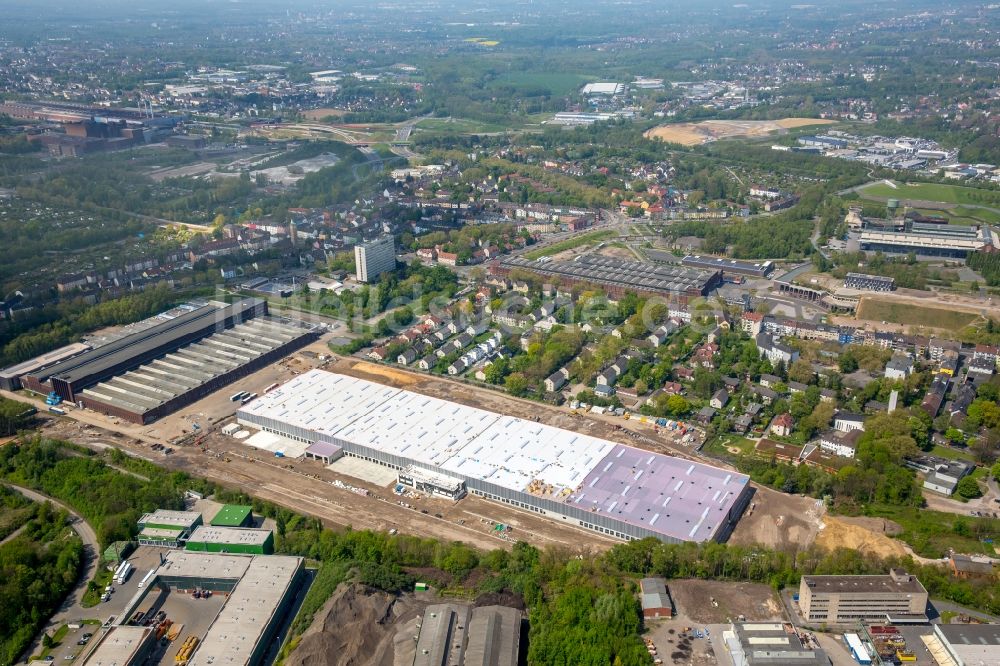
point(382, 371)
point(793, 123)
point(693, 134)
point(685, 134)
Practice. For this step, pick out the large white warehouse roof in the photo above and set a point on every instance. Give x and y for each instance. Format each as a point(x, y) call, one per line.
point(670, 496)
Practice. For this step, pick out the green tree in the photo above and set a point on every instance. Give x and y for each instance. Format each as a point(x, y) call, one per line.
point(969, 488)
point(516, 384)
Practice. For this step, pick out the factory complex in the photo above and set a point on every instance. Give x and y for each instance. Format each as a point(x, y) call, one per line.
point(617, 277)
point(259, 591)
point(928, 240)
point(148, 374)
point(448, 449)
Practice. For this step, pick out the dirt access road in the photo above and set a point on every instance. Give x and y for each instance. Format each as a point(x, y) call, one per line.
point(70, 608)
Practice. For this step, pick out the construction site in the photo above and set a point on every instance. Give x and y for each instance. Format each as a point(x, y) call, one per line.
point(191, 440)
point(446, 448)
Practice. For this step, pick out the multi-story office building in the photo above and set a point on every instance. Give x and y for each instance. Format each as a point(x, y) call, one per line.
point(897, 598)
point(373, 258)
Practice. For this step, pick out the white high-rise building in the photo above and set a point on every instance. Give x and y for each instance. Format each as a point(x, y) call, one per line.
point(373, 258)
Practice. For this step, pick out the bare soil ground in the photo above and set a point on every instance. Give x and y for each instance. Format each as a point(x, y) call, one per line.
point(780, 521)
point(359, 626)
point(693, 600)
point(307, 486)
point(693, 134)
point(617, 253)
point(320, 114)
point(864, 535)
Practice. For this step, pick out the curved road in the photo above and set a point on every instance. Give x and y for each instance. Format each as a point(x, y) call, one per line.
point(70, 608)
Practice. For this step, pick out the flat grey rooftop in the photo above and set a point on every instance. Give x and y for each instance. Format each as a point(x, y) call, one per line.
point(118, 646)
point(250, 609)
point(675, 497)
point(151, 385)
point(862, 584)
point(229, 535)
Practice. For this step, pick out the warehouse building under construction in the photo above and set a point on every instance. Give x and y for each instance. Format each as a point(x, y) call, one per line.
point(449, 449)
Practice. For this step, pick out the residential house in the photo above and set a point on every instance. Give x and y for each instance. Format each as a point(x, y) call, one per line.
point(742, 424)
point(407, 357)
point(427, 362)
point(899, 367)
point(934, 397)
point(705, 415)
point(987, 352)
point(770, 380)
point(556, 380)
point(937, 347)
point(661, 334)
point(719, 399)
point(611, 374)
point(604, 391)
point(774, 350)
point(782, 425)
point(379, 353)
point(982, 365)
point(766, 395)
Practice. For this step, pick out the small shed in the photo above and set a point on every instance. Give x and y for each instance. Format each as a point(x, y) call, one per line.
point(656, 601)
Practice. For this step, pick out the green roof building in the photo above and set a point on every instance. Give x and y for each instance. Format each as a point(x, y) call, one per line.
point(233, 515)
point(232, 540)
point(167, 528)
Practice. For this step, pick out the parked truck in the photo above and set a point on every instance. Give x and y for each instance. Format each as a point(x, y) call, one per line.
point(123, 573)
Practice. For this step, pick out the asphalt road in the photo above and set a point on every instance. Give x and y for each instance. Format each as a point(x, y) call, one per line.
point(70, 608)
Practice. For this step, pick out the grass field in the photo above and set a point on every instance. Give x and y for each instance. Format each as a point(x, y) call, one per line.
point(458, 126)
point(557, 83)
point(592, 238)
point(939, 192)
point(729, 446)
point(932, 533)
point(950, 453)
point(915, 315)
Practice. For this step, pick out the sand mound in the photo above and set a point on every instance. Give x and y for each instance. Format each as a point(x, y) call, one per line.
point(846, 533)
point(356, 627)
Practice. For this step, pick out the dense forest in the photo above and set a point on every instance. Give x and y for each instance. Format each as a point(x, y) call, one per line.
point(38, 568)
point(110, 501)
point(988, 265)
point(48, 328)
